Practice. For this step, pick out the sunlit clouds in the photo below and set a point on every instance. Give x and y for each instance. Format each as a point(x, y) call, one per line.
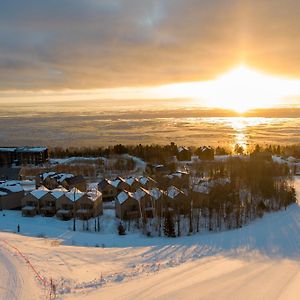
point(63, 44)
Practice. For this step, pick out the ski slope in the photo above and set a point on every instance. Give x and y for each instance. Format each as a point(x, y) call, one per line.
point(15, 284)
point(258, 261)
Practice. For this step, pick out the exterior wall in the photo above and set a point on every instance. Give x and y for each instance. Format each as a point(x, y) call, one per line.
point(30, 200)
point(147, 206)
point(128, 210)
point(48, 205)
point(65, 204)
point(22, 156)
point(12, 200)
point(92, 208)
point(109, 193)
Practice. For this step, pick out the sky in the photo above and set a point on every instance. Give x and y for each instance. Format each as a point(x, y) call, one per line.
point(113, 47)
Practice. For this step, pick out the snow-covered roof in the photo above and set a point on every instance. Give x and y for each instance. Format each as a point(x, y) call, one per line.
point(156, 193)
point(182, 148)
point(140, 193)
point(8, 149)
point(144, 180)
point(115, 182)
point(39, 193)
point(94, 194)
point(74, 194)
point(173, 191)
point(58, 192)
point(130, 180)
point(62, 176)
point(23, 149)
point(47, 174)
point(123, 196)
point(11, 185)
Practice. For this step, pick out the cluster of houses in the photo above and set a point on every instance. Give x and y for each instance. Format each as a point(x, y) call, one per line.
point(66, 196)
point(63, 203)
point(143, 197)
point(60, 197)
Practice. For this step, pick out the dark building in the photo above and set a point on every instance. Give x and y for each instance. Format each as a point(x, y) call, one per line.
point(19, 156)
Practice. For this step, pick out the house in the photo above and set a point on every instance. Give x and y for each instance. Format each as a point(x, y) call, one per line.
point(19, 156)
point(144, 198)
point(65, 204)
point(52, 180)
point(31, 202)
point(11, 194)
point(205, 153)
point(156, 169)
point(119, 183)
point(158, 199)
point(180, 179)
point(48, 203)
point(89, 205)
point(132, 184)
point(127, 206)
point(71, 182)
point(108, 190)
point(177, 200)
point(147, 182)
point(184, 154)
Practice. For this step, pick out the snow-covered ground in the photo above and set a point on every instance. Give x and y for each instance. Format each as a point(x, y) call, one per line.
point(258, 261)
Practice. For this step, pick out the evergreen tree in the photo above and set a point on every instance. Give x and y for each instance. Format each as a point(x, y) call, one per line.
point(169, 229)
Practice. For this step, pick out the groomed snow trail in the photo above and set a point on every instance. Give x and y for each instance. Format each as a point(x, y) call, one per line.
point(10, 284)
point(16, 282)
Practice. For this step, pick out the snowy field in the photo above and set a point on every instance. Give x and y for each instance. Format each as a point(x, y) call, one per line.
point(258, 261)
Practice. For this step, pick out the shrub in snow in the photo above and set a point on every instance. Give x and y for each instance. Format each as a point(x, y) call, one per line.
point(121, 229)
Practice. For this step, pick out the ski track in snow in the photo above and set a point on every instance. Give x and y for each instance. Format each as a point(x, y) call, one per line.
point(11, 282)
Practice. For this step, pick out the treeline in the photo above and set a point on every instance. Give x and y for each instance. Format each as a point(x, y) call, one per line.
point(161, 153)
point(255, 187)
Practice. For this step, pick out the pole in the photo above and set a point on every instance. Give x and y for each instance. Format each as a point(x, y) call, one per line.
point(74, 211)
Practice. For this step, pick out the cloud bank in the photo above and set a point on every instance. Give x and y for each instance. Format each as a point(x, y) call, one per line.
point(75, 44)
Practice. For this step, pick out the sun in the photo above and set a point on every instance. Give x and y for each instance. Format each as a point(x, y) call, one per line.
point(242, 89)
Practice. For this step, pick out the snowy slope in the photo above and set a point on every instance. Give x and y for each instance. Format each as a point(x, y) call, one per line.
point(15, 284)
point(259, 261)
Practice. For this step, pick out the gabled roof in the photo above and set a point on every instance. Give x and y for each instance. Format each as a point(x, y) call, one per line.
point(74, 194)
point(94, 194)
point(173, 192)
point(123, 196)
point(140, 193)
point(156, 193)
point(145, 179)
point(38, 194)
